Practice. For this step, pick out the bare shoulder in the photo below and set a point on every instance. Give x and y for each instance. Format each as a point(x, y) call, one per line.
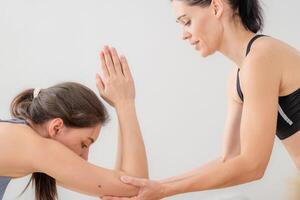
point(272, 50)
point(263, 63)
point(263, 48)
point(17, 145)
point(18, 133)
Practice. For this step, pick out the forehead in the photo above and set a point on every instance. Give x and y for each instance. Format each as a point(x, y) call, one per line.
point(92, 132)
point(95, 132)
point(180, 8)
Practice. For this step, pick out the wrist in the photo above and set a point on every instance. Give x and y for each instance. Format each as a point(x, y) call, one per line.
point(165, 189)
point(171, 188)
point(121, 105)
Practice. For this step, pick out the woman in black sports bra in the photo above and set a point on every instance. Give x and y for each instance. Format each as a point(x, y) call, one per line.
point(263, 95)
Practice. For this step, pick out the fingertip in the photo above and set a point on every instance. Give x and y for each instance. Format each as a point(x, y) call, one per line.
point(97, 76)
point(125, 179)
point(106, 49)
point(122, 58)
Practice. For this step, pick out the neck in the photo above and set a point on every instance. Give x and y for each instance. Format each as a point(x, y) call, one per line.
point(40, 129)
point(234, 42)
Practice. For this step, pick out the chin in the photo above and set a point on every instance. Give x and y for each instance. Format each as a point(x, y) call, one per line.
point(204, 54)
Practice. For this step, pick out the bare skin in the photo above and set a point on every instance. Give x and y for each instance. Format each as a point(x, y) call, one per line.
point(62, 152)
point(270, 70)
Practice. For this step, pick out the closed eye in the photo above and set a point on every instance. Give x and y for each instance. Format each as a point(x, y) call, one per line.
point(187, 23)
point(84, 145)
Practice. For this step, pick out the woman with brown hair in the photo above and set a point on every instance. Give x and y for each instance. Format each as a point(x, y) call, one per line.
point(53, 129)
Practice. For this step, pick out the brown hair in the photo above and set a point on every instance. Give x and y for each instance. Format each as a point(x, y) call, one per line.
point(78, 107)
point(249, 11)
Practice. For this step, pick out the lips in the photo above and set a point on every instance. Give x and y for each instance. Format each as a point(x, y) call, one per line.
point(195, 44)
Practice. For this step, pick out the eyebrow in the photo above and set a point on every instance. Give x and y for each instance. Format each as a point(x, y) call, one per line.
point(92, 140)
point(178, 18)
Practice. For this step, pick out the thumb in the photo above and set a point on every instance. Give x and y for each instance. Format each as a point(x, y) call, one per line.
point(134, 181)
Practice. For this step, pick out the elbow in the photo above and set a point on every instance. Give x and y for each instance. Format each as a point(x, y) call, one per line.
point(260, 173)
point(251, 169)
point(257, 175)
point(256, 171)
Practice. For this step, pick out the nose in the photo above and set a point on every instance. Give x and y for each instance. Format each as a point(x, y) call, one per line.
point(186, 35)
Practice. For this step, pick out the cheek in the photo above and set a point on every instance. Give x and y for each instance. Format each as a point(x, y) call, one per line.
point(198, 29)
point(71, 143)
point(214, 32)
point(202, 31)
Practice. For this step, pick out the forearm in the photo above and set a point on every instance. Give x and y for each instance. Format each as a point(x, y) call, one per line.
point(118, 165)
point(189, 173)
point(73, 172)
point(134, 159)
point(215, 175)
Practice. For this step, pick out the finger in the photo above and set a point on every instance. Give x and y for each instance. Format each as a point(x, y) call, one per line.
point(103, 65)
point(125, 67)
point(109, 62)
point(134, 181)
point(116, 60)
point(100, 84)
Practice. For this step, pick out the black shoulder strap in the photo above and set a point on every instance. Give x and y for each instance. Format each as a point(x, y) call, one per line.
point(251, 42)
point(238, 86)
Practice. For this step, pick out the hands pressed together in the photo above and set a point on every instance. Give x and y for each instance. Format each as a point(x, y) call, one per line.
point(116, 87)
point(116, 84)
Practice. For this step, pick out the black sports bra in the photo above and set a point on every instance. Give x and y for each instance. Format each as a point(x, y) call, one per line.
point(288, 121)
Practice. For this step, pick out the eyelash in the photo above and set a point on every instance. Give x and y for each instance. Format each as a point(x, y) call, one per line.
point(188, 23)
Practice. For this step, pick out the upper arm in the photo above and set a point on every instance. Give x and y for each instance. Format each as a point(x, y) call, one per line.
point(260, 80)
point(73, 172)
point(231, 140)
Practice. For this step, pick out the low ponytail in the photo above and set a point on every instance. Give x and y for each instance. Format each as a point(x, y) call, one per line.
point(250, 13)
point(20, 106)
point(45, 186)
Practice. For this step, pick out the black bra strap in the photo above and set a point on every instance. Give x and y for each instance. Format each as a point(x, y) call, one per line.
point(238, 86)
point(251, 42)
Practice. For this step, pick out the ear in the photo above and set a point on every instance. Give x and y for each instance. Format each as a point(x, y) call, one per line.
point(217, 7)
point(55, 127)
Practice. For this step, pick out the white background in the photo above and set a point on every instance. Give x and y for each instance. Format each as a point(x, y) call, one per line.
point(180, 96)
